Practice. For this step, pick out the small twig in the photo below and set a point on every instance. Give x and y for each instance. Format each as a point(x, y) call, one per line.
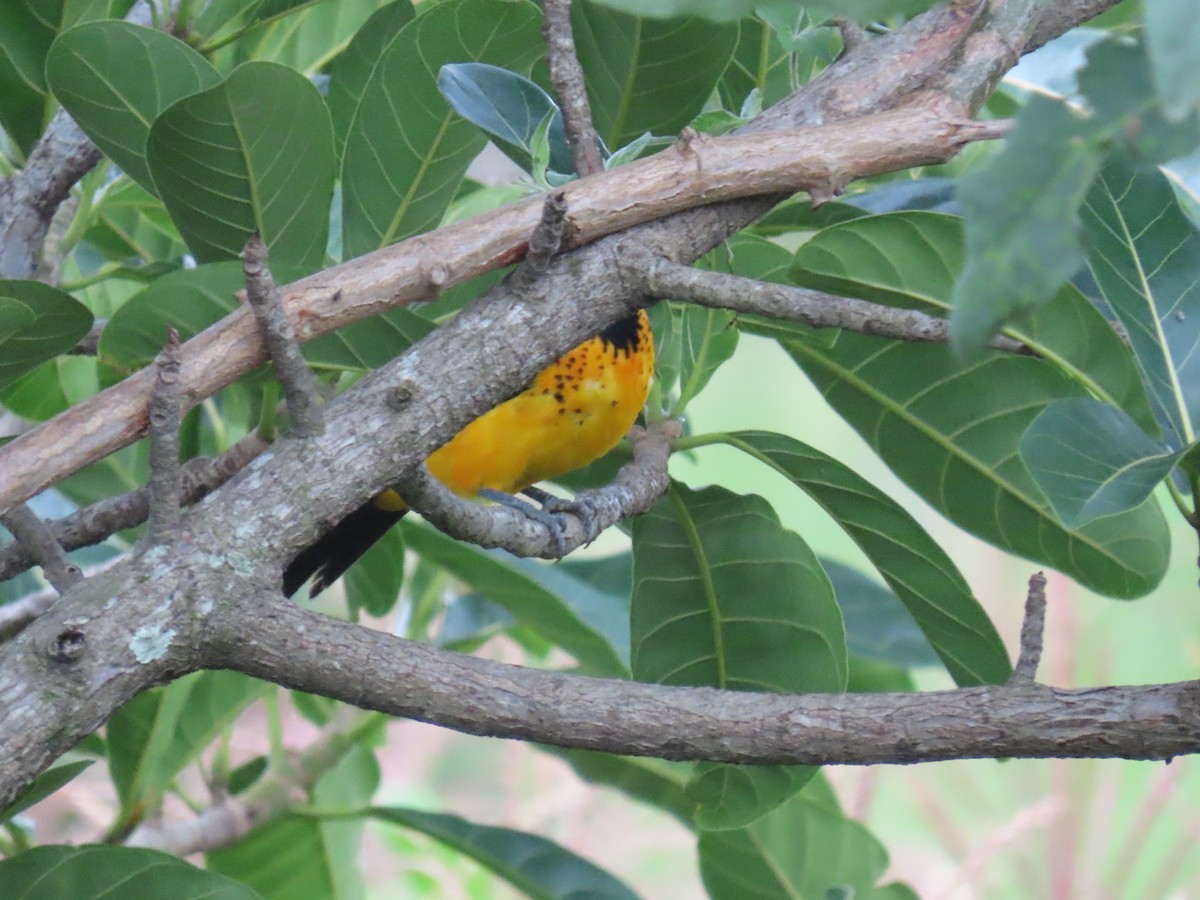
point(567, 76)
point(634, 490)
point(300, 388)
point(166, 476)
point(1031, 632)
point(546, 240)
point(106, 517)
point(853, 34)
point(33, 534)
point(663, 278)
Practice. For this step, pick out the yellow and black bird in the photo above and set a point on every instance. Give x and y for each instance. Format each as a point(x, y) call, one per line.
point(577, 409)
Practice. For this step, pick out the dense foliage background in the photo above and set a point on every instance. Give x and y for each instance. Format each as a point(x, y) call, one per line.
point(336, 128)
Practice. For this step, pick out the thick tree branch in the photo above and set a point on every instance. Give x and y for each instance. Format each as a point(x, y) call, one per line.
point(104, 518)
point(306, 651)
point(664, 279)
point(821, 159)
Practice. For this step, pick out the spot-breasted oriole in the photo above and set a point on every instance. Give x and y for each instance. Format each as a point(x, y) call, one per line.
point(577, 409)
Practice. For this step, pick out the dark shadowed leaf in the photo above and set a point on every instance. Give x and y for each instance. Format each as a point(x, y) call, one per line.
point(509, 107)
point(878, 627)
point(657, 782)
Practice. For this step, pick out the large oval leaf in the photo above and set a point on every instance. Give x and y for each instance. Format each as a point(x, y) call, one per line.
point(1145, 256)
point(917, 569)
point(913, 259)
point(114, 78)
point(254, 153)
point(37, 323)
point(354, 67)
point(648, 74)
point(723, 595)
point(81, 873)
point(407, 150)
point(952, 433)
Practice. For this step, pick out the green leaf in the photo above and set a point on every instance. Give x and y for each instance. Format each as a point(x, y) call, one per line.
point(368, 343)
point(131, 222)
point(223, 14)
point(648, 75)
point(734, 796)
point(407, 150)
point(723, 596)
point(355, 66)
point(115, 78)
point(1173, 36)
point(373, 583)
point(581, 621)
point(657, 782)
point(718, 10)
point(911, 259)
point(1092, 460)
point(42, 787)
point(537, 867)
point(952, 433)
point(878, 627)
point(26, 29)
point(85, 872)
point(510, 108)
point(188, 300)
point(1145, 258)
point(708, 338)
point(306, 39)
point(801, 849)
point(216, 161)
point(310, 857)
point(759, 62)
point(37, 323)
point(51, 388)
point(1120, 92)
point(154, 736)
point(1022, 220)
point(914, 566)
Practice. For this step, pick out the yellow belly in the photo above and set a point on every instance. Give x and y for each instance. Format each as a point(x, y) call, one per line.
point(577, 409)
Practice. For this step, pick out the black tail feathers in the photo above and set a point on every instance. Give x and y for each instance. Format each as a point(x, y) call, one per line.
point(339, 548)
